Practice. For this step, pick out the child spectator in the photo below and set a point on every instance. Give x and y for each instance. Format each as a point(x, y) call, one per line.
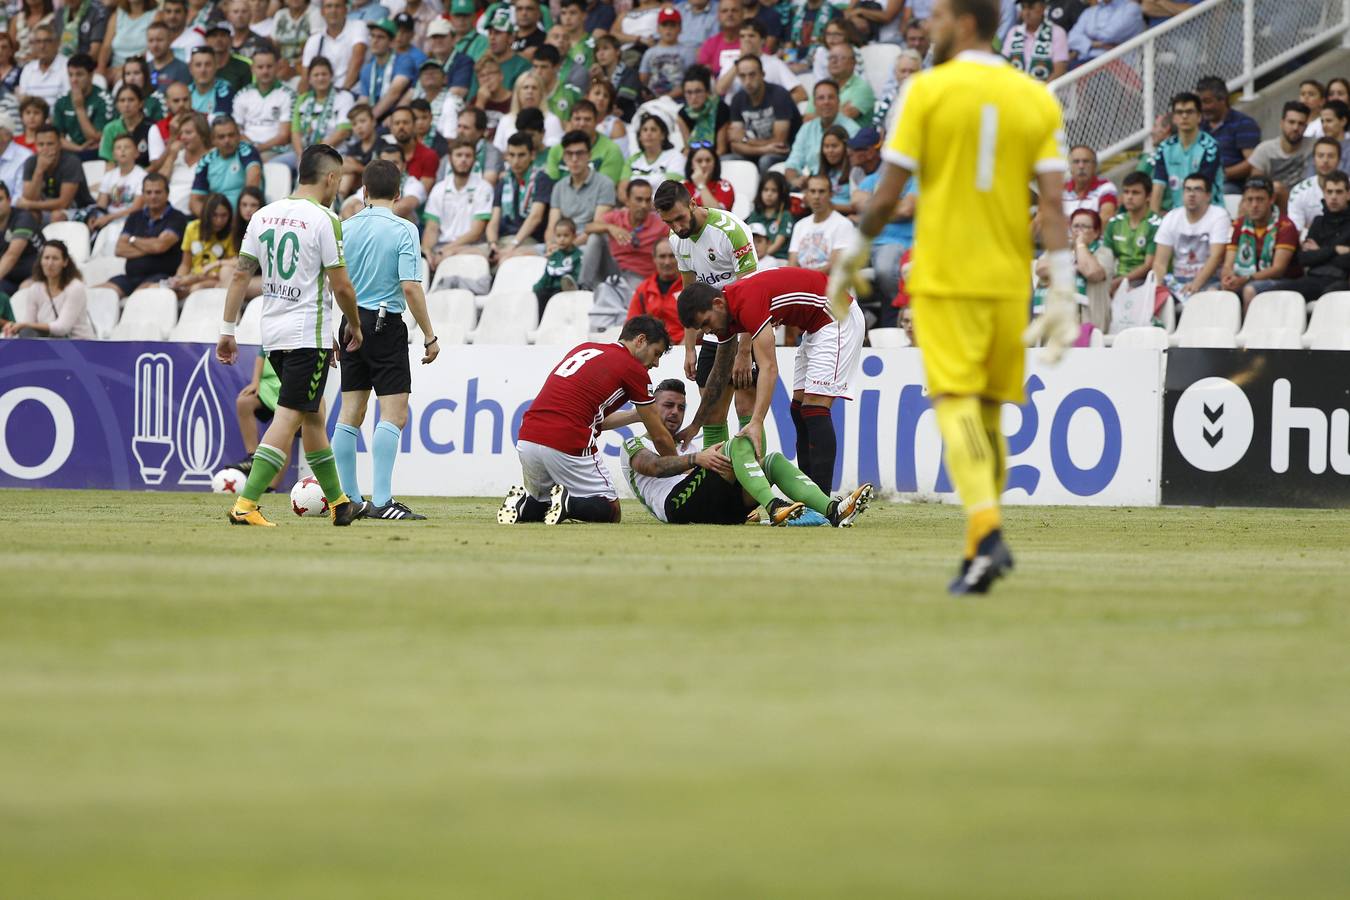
point(563, 266)
point(662, 69)
point(207, 243)
point(119, 193)
point(704, 178)
point(774, 212)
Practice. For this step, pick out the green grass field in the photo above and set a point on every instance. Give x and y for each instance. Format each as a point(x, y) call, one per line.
point(1157, 705)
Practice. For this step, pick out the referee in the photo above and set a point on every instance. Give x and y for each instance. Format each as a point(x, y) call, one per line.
point(385, 261)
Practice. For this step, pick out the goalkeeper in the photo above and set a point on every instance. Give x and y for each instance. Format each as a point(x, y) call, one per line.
point(974, 131)
point(710, 487)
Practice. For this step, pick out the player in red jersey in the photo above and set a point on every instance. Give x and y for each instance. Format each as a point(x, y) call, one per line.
point(827, 358)
point(564, 476)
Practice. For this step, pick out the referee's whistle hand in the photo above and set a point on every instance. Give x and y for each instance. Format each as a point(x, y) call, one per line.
point(353, 337)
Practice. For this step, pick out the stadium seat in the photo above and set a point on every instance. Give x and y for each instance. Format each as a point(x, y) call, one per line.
point(100, 268)
point(1233, 203)
point(93, 174)
point(75, 235)
point(519, 273)
point(1146, 337)
point(1329, 326)
point(1272, 339)
point(105, 242)
point(1096, 338)
point(199, 320)
point(565, 320)
point(148, 315)
point(878, 61)
point(888, 337)
point(250, 323)
point(1273, 310)
point(606, 336)
point(453, 307)
point(744, 178)
point(104, 308)
point(1209, 336)
point(508, 317)
point(276, 181)
point(1209, 310)
point(466, 265)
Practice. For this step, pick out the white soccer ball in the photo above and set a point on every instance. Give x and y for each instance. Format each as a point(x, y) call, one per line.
point(228, 481)
point(307, 498)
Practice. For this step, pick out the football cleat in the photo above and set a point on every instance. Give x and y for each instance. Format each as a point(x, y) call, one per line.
point(781, 512)
point(390, 511)
point(363, 509)
point(809, 519)
point(344, 513)
point(511, 508)
point(250, 517)
point(557, 507)
point(844, 510)
point(992, 561)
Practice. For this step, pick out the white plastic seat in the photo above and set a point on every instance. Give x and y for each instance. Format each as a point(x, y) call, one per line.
point(1329, 325)
point(147, 315)
point(276, 181)
point(519, 273)
point(609, 334)
point(565, 321)
point(878, 61)
point(467, 265)
point(1146, 337)
point(744, 178)
point(104, 309)
point(250, 323)
point(105, 242)
point(455, 307)
point(888, 337)
point(1208, 336)
point(1232, 203)
point(1272, 339)
point(1206, 310)
point(507, 318)
point(1273, 311)
point(75, 235)
point(94, 170)
point(199, 320)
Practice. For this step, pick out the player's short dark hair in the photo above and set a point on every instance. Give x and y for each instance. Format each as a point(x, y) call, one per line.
point(202, 49)
point(1295, 107)
point(1200, 177)
point(420, 104)
point(547, 53)
point(670, 384)
point(759, 64)
point(1339, 177)
point(480, 119)
point(650, 327)
point(825, 82)
point(521, 139)
point(317, 161)
point(265, 49)
point(985, 13)
point(1212, 84)
point(694, 300)
point(398, 109)
point(531, 117)
point(47, 128)
point(1182, 99)
point(124, 136)
point(575, 137)
point(1339, 108)
point(1328, 142)
point(381, 179)
point(668, 194)
point(1140, 180)
point(82, 61)
point(566, 3)
point(699, 73)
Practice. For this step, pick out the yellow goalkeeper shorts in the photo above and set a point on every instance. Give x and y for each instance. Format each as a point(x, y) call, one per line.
point(972, 346)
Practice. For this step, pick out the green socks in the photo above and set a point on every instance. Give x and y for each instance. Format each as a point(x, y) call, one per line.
point(749, 473)
point(793, 482)
point(715, 434)
point(326, 473)
point(267, 462)
point(744, 420)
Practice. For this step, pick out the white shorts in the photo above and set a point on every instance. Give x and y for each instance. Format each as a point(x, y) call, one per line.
point(543, 467)
point(828, 359)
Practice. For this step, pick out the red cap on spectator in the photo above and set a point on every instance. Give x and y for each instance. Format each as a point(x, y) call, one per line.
point(668, 15)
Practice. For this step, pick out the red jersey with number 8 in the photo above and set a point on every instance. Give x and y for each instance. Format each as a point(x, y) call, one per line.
point(592, 381)
point(783, 296)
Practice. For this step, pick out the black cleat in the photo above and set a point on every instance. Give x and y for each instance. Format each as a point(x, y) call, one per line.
point(244, 465)
point(992, 561)
point(390, 511)
point(345, 513)
point(362, 509)
point(557, 508)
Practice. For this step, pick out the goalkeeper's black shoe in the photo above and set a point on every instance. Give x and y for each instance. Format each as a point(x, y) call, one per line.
point(345, 512)
point(391, 510)
point(992, 561)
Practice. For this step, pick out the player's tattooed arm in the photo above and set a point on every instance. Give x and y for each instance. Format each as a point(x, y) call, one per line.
point(247, 266)
point(645, 462)
point(718, 379)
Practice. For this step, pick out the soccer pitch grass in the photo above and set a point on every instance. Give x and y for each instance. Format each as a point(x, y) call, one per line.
point(1157, 704)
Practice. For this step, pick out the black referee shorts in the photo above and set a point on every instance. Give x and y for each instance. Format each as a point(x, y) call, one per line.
point(303, 372)
point(381, 362)
point(707, 353)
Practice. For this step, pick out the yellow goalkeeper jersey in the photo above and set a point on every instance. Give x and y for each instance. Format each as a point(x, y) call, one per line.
point(975, 132)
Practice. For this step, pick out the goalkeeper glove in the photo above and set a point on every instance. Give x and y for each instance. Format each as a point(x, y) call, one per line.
point(846, 280)
point(1057, 327)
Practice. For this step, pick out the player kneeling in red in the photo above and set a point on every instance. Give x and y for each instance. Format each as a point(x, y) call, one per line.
point(565, 478)
point(827, 358)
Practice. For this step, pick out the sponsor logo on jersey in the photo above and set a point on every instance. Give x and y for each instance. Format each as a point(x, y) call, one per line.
point(714, 279)
point(712, 255)
point(742, 251)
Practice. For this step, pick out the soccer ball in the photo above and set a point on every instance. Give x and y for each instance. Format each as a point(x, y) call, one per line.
point(228, 481)
point(307, 498)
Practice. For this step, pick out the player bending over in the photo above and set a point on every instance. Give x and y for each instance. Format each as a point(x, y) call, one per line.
point(707, 488)
point(975, 131)
point(827, 358)
point(297, 245)
point(564, 476)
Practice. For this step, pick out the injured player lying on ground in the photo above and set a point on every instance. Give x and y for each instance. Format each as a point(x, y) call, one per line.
point(727, 483)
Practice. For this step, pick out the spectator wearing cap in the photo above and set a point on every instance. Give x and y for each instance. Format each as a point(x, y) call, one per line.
point(864, 159)
point(210, 95)
point(432, 87)
point(618, 254)
point(856, 98)
point(386, 75)
point(606, 157)
point(500, 48)
point(1236, 133)
point(458, 210)
point(440, 48)
point(229, 168)
point(763, 117)
point(1036, 45)
point(759, 235)
point(775, 70)
point(233, 68)
point(698, 22)
point(1261, 251)
point(659, 291)
point(264, 108)
point(1283, 159)
point(81, 114)
point(1102, 27)
point(13, 155)
point(529, 35)
point(45, 75)
point(343, 42)
point(723, 49)
point(367, 11)
point(1084, 189)
point(805, 155)
point(404, 45)
point(519, 203)
point(662, 68)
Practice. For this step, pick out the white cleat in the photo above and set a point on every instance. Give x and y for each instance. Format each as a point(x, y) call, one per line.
point(509, 513)
point(847, 509)
point(557, 507)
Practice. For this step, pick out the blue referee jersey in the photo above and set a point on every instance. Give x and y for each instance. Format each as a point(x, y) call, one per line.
point(382, 252)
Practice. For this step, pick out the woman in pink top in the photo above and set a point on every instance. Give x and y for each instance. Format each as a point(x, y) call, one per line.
point(53, 305)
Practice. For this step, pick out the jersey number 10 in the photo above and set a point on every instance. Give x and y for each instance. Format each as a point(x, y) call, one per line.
point(277, 252)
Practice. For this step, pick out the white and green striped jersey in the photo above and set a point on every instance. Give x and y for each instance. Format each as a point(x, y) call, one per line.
point(652, 491)
point(720, 253)
point(294, 242)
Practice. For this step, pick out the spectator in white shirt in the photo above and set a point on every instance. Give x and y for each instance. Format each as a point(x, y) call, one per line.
point(263, 109)
point(45, 76)
point(1192, 241)
point(775, 70)
point(458, 209)
point(1305, 198)
point(343, 43)
point(821, 238)
point(12, 156)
